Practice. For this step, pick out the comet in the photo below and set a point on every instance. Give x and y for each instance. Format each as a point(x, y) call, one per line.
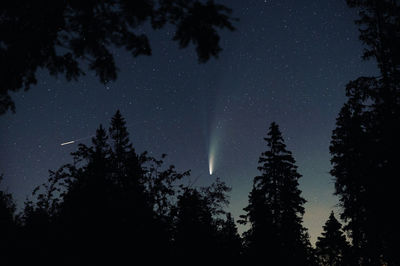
point(211, 163)
point(212, 153)
point(213, 150)
point(68, 142)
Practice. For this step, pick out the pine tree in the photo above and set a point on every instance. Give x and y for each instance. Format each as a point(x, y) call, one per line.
point(275, 208)
point(332, 247)
point(127, 170)
point(120, 136)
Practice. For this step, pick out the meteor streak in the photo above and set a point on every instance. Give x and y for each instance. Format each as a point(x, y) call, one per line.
point(69, 142)
point(76, 140)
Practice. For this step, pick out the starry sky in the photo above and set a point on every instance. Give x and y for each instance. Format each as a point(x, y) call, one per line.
point(288, 62)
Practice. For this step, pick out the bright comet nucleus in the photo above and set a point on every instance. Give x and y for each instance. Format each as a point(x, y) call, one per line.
point(211, 163)
point(212, 153)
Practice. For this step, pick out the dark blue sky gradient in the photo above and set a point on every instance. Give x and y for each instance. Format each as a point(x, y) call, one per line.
point(288, 61)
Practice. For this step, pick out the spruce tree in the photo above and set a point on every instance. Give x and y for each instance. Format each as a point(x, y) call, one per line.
point(275, 208)
point(332, 247)
point(127, 168)
point(120, 137)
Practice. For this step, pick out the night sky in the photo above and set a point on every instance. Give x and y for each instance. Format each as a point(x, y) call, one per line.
point(288, 62)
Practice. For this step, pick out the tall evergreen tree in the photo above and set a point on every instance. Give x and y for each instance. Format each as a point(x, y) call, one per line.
point(275, 208)
point(365, 143)
point(354, 170)
point(332, 247)
point(120, 137)
point(126, 164)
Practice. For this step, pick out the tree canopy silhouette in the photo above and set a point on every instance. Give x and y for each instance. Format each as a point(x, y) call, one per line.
point(366, 142)
point(275, 209)
point(61, 36)
point(379, 30)
point(8, 242)
point(197, 224)
point(332, 247)
point(109, 194)
point(230, 243)
point(112, 205)
point(7, 208)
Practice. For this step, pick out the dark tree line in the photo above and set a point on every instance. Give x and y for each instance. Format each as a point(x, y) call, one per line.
point(113, 205)
point(62, 36)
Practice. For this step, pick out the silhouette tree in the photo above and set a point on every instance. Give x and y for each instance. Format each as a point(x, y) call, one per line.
point(275, 209)
point(230, 242)
point(7, 226)
point(87, 208)
point(354, 179)
point(60, 35)
point(332, 247)
point(365, 143)
point(121, 145)
point(110, 205)
point(108, 202)
point(379, 31)
point(196, 224)
point(7, 209)
point(38, 235)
